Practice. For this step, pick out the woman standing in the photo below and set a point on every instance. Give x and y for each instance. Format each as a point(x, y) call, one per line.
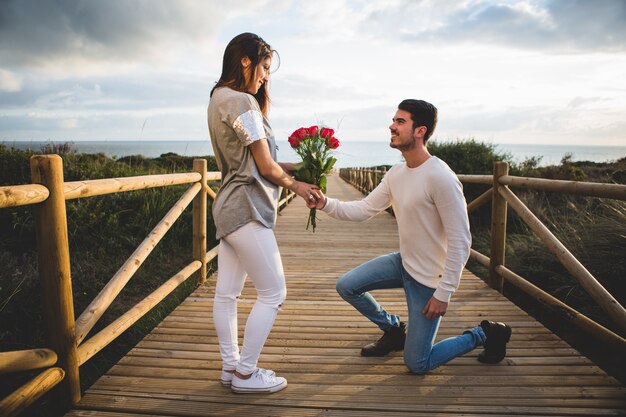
point(245, 210)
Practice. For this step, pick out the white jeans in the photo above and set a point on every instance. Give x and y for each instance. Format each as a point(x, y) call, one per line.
point(251, 250)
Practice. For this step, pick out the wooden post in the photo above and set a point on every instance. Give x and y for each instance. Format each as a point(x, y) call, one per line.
point(498, 227)
point(54, 272)
point(370, 181)
point(199, 220)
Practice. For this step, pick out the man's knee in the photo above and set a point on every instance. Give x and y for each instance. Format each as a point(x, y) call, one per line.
point(343, 286)
point(419, 367)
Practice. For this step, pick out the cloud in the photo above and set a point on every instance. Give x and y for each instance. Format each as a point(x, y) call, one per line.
point(129, 93)
point(43, 33)
point(9, 82)
point(567, 26)
point(583, 101)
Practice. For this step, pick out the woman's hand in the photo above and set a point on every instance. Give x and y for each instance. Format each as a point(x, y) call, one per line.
point(277, 174)
point(289, 167)
point(311, 193)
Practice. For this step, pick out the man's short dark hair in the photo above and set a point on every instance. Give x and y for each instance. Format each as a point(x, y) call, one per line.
point(422, 114)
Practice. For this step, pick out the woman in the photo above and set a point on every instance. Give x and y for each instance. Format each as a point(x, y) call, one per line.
point(245, 210)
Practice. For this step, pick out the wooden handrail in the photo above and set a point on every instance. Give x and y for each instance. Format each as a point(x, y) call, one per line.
point(475, 179)
point(211, 193)
point(571, 314)
point(604, 298)
point(283, 202)
point(113, 330)
point(210, 255)
point(90, 188)
point(26, 360)
point(602, 333)
point(590, 189)
point(103, 300)
point(16, 402)
point(480, 200)
point(22, 195)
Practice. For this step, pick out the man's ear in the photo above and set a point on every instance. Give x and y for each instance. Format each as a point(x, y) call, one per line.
point(245, 62)
point(420, 132)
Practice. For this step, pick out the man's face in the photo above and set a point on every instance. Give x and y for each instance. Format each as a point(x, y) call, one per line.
point(403, 136)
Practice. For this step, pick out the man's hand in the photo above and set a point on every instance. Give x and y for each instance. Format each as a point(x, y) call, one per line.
point(434, 308)
point(319, 202)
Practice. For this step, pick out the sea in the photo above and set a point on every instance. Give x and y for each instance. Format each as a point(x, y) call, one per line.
point(349, 154)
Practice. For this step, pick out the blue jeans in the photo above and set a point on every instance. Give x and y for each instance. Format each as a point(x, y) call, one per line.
point(420, 355)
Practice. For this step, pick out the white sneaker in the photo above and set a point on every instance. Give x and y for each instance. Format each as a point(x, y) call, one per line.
point(261, 380)
point(226, 378)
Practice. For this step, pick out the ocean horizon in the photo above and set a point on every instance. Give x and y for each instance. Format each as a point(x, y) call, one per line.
point(349, 154)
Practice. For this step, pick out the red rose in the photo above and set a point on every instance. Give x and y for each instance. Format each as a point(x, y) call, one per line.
point(312, 131)
point(327, 133)
point(333, 142)
point(294, 141)
point(300, 133)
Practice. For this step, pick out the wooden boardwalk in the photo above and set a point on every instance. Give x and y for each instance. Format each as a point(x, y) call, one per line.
point(315, 344)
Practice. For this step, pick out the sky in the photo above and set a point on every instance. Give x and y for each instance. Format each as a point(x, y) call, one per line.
point(530, 72)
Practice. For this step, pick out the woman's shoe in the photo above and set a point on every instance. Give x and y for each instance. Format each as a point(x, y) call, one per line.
point(261, 381)
point(226, 377)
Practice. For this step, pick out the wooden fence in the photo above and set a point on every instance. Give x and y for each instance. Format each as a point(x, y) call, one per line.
point(365, 180)
point(67, 348)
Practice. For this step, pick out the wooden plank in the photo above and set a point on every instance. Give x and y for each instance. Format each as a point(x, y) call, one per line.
point(188, 405)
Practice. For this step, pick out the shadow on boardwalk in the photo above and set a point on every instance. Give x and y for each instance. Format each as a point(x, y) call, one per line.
point(316, 340)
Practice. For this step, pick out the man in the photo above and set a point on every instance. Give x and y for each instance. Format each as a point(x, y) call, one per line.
point(428, 202)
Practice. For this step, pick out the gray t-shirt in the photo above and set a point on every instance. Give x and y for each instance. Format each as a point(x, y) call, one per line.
point(235, 121)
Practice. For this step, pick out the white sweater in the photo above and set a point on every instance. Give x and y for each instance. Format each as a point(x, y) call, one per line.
point(432, 221)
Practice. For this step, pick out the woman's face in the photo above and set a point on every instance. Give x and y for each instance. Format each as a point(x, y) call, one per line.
point(261, 74)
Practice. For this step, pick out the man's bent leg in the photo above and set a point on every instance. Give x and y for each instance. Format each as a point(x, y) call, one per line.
point(383, 272)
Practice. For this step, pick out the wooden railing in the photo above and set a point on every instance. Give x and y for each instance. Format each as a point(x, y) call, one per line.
point(67, 348)
point(502, 197)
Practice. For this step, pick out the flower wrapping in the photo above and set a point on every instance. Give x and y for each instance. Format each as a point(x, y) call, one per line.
point(314, 145)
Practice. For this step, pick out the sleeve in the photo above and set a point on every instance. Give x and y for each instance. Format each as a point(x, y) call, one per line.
point(360, 210)
point(244, 116)
point(452, 208)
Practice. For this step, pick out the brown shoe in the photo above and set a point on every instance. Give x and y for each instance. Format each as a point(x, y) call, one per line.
point(498, 335)
point(391, 340)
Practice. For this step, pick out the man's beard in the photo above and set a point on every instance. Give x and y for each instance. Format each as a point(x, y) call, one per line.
point(402, 147)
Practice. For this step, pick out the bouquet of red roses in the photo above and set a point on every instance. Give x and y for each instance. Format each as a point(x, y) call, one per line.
point(314, 145)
